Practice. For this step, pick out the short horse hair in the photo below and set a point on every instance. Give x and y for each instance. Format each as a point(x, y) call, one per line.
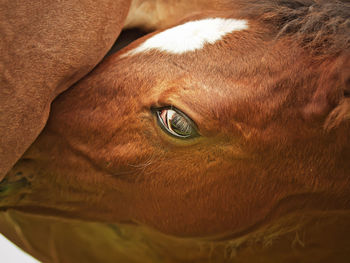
point(322, 26)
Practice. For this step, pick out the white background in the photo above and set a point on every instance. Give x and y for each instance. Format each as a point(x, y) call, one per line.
point(9, 253)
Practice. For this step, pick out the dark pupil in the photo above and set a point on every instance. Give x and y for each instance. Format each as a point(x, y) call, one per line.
point(179, 125)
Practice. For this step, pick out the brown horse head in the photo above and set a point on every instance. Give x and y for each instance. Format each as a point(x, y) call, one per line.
point(216, 126)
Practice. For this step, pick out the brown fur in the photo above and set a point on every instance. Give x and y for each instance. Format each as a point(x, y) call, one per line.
point(46, 46)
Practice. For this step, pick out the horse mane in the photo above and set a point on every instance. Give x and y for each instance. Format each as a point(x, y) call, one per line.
point(321, 26)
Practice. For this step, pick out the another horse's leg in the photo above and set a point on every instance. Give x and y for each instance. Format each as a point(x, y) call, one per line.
point(46, 46)
point(159, 14)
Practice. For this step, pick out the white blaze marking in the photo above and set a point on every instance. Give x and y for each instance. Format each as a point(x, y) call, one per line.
point(190, 36)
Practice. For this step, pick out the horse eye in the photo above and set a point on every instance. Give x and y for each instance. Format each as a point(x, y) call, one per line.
point(176, 123)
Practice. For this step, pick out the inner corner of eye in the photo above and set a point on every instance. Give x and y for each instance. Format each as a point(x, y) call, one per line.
point(163, 114)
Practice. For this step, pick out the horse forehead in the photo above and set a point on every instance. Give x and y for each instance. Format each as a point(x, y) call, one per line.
point(190, 36)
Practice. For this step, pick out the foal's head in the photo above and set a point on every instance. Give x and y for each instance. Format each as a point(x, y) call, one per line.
point(209, 127)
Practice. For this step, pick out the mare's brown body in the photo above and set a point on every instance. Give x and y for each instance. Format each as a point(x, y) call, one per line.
point(267, 179)
point(46, 46)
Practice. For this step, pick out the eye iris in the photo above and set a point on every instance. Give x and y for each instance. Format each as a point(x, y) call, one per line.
point(179, 125)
